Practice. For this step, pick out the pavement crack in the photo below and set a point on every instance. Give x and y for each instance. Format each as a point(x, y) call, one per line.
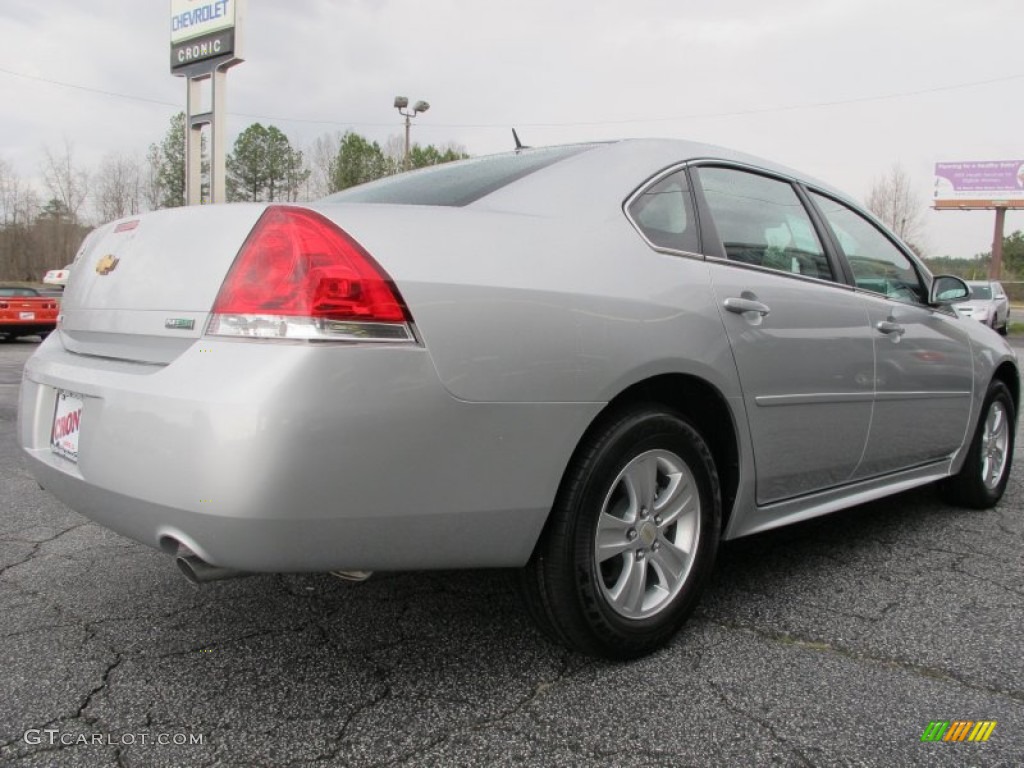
point(763, 724)
point(37, 545)
point(80, 714)
point(565, 670)
point(788, 639)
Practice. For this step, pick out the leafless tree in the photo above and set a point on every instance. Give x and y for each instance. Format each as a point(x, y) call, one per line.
point(20, 252)
point(152, 189)
point(394, 150)
point(66, 182)
point(321, 159)
point(894, 200)
point(118, 187)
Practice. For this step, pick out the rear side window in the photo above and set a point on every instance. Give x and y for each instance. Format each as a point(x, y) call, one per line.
point(761, 221)
point(664, 213)
point(456, 184)
point(877, 264)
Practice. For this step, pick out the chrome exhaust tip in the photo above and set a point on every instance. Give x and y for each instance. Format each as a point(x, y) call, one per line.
point(198, 571)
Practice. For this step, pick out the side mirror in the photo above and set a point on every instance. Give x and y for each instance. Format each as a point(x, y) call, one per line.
point(947, 289)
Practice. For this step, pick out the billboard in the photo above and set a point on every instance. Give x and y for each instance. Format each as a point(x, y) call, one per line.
point(202, 30)
point(979, 184)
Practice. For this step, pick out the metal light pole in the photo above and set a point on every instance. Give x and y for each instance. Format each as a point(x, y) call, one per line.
point(400, 104)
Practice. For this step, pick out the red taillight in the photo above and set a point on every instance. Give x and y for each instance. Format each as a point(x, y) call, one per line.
point(299, 275)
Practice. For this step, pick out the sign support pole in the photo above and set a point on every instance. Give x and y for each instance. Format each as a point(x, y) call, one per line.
point(205, 43)
point(194, 137)
point(995, 265)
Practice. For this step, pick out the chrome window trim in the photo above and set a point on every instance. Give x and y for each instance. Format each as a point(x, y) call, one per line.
point(641, 190)
point(769, 271)
point(786, 179)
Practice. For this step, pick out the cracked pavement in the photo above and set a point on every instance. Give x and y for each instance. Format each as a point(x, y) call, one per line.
point(830, 643)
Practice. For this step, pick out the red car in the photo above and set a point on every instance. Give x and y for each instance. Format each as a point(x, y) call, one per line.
point(24, 312)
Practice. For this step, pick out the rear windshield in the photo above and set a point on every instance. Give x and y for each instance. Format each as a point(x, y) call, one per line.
point(7, 293)
point(455, 184)
point(981, 292)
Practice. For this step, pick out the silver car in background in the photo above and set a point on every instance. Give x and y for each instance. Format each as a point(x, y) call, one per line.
point(591, 362)
point(988, 304)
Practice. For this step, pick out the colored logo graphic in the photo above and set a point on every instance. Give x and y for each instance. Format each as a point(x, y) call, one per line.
point(958, 730)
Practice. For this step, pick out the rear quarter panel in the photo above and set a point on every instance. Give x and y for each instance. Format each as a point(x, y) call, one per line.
point(525, 308)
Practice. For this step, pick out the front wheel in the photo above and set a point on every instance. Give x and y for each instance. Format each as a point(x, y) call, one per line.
point(632, 537)
point(981, 481)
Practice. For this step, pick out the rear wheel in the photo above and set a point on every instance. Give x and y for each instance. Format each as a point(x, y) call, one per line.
point(632, 537)
point(981, 481)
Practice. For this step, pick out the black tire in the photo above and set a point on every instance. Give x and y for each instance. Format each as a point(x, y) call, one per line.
point(569, 591)
point(980, 484)
point(1004, 328)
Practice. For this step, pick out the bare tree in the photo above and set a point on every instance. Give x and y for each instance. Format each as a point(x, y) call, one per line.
point(321, 160)
point(118, 187)
point(66, 182)
point(151, 187)
point(20, 251)
point(894, 200)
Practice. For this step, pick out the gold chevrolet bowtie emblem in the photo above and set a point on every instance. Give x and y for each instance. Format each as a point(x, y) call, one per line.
point(106, 265)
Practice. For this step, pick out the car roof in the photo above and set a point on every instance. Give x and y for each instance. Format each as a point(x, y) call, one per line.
point(598, 177)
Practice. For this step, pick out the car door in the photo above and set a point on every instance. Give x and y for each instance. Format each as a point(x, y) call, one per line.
point(924, 374)
point(800, 338)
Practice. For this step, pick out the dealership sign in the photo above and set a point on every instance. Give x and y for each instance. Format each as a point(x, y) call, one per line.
point(202, 30)
point(979, 184)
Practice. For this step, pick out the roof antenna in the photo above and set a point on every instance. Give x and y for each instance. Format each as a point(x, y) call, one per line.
point(519, 144)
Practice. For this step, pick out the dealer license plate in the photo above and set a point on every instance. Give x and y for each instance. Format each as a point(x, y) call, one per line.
point(26, 315)
point(67, 425)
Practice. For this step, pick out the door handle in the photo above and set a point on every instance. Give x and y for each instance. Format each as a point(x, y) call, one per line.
point(890, 328)
point(740, 305)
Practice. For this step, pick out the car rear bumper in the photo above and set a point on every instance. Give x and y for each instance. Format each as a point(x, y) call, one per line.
point(26, 329)
point(298, 457)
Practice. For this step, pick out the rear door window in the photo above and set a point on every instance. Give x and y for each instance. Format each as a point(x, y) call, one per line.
point(761, 221)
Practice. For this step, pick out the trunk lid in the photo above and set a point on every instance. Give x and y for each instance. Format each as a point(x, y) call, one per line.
point(142, 288)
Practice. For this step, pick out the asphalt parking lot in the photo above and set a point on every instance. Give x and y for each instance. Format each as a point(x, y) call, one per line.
point(831, 643)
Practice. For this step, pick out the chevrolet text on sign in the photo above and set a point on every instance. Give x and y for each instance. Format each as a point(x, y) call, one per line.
point(202, 29)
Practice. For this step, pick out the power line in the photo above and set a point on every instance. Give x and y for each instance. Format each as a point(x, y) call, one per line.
point(569, 124)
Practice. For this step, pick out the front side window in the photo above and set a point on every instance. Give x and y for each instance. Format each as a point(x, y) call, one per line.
point(877, 264)
point(664, 213)
point(761, 221)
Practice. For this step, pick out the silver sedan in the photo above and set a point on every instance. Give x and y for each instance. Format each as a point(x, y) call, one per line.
point(590, 362)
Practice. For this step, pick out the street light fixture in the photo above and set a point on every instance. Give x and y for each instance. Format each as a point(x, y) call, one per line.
point(401, 102)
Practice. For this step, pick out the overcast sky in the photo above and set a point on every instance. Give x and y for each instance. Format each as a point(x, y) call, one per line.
point(840, 89)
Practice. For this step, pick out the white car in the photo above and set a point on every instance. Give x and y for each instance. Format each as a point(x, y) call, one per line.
point(58, 276)
point(988, 305)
